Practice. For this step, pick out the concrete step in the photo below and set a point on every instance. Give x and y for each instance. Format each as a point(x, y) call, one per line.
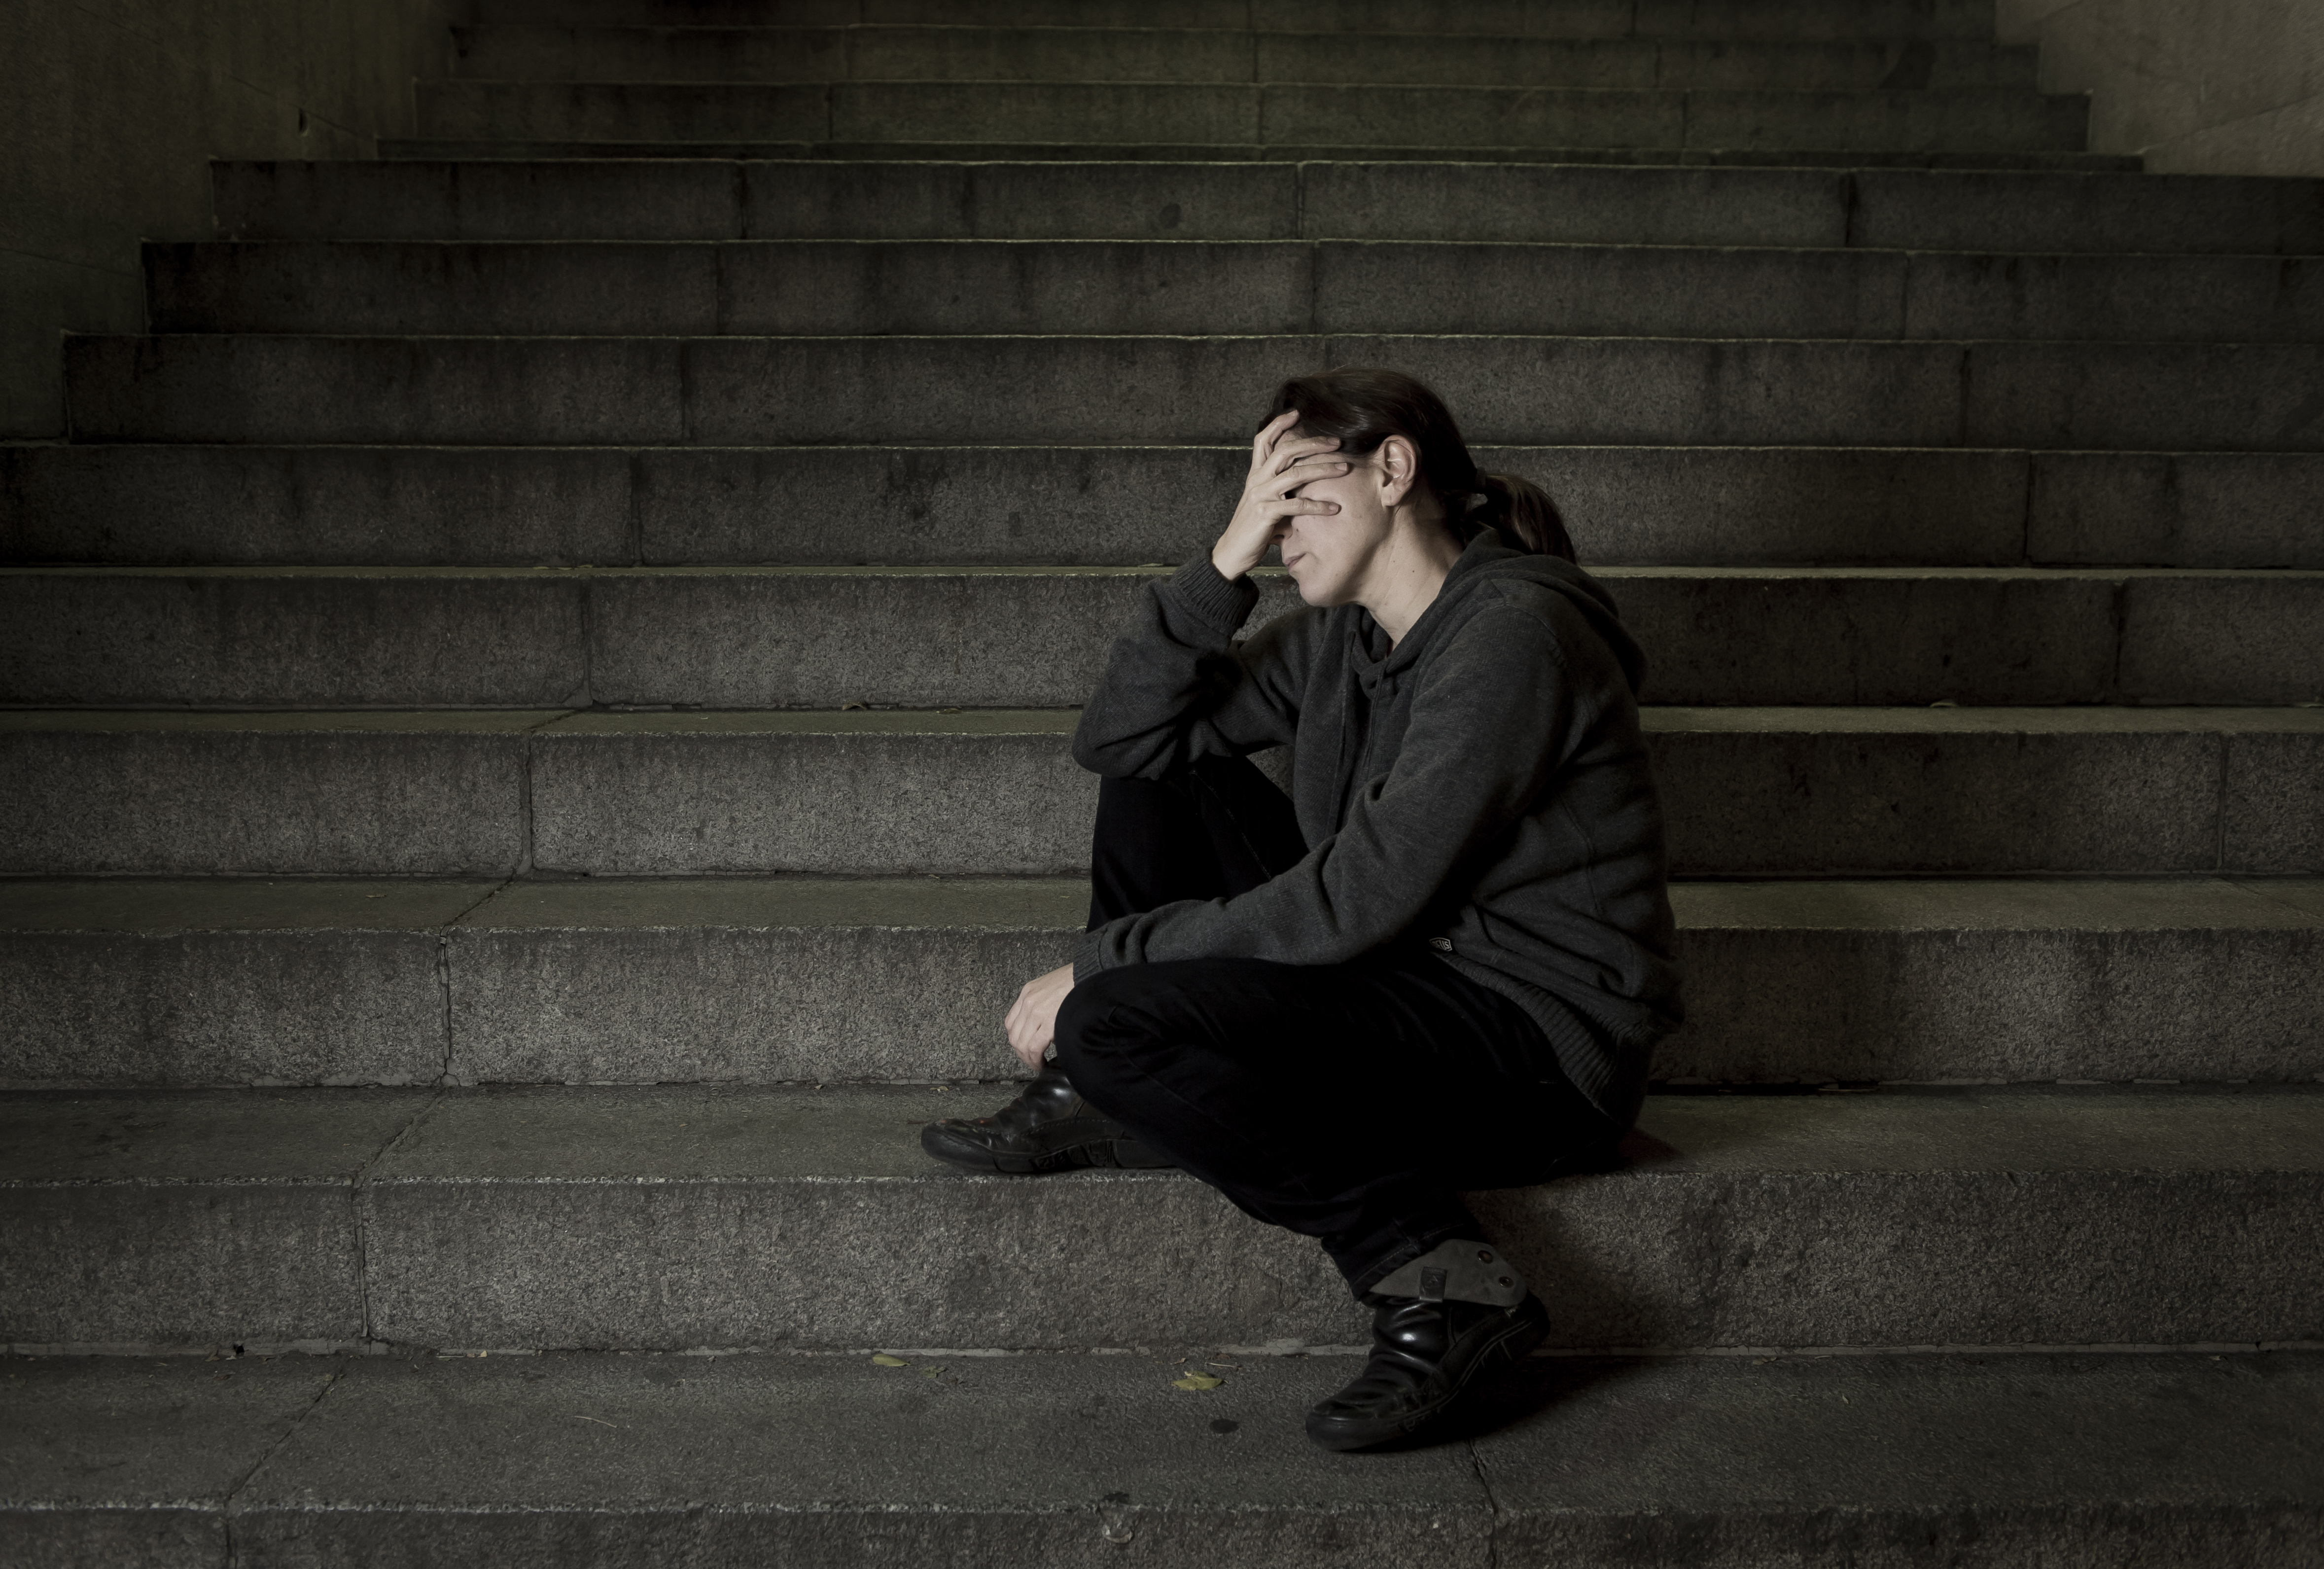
point(542, 53)
point(1299, 114)
point(881, 287)
point(850, 391)
point(1975, 791)
point(419, 1460)
point(1895, 209)
point(746, 149)
point(931, 506)
point(1712, 19)
point(1021, 637)
point(714, 1216)
point(240, 980)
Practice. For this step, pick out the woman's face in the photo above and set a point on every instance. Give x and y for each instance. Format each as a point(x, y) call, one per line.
point(1329, 555)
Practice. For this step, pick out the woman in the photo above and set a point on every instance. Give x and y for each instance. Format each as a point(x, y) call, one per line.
point(1442, 964)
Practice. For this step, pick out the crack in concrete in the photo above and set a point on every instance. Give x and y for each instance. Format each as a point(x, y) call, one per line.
point(358, 1190)
point(235, 1490)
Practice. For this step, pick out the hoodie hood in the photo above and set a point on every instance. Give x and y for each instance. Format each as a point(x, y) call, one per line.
point(1487, 562)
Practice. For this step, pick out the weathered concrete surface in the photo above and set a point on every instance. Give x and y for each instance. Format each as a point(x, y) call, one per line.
point(1720, 1460)
point(190, 1218)
point(231, 982)
point(1886, 1461)
point(1748, 791)
point(659, 793)
point(349, 506)
point(851, 980)
point(377, 794)
point(112, 110)
point(1697, 506)
point(440, 148)
point(1027, 636)
point(294, 637)
point(133, 1461)
point(1968, 120)
point(1987, 791)
point(663, 982)
point(2016, 980)
point(543, 53)
point(726, 1215)
point(681, 199)
point(2176, 509)
point(836, 391)
point(1787, 20)
point(602, 287)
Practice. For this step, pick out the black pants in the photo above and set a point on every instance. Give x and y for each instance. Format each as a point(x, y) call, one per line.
point(1348, 1102)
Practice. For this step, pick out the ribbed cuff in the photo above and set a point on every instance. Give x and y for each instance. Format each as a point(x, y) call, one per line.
point(1088, 957)
point(1199, 586)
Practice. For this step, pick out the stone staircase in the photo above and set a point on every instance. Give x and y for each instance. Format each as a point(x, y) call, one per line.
point(535, 734)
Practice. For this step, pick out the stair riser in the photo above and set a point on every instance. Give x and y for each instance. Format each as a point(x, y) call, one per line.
point(1988, 120)
point(974, 506)
point(748, 148)
point(1708, 19)
point(843, 288)
point(727, 392)
point(1670, 1257)
point(703, 200)
point(684, 804)
point(769, 1003)
point(620, 54)
point(1034, 640)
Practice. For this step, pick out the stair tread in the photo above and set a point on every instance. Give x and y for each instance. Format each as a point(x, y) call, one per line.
point(635, 1455)
point(859, 1133)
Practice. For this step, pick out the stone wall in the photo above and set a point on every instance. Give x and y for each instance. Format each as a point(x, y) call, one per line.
point(2199, 86)
point(109, 111)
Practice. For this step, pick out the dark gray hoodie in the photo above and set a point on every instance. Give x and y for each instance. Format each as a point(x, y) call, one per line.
point(1483, 786)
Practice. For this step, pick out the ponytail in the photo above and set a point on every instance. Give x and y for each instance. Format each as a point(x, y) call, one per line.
point(1523, 513)
point(1363, 407)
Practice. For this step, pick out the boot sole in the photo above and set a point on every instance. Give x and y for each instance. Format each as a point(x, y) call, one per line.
point(1510, 1345)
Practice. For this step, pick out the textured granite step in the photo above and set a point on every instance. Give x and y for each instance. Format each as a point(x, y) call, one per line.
point(619, 1460)
point(236, 981)
point(748, 149)
point(906, 506)
point(1026, 637)
point(947, 390)
point(848, 287)
point(548, 53)
point(681, 1217)
point(1526, 202)
point(1764, 19)
point(1749, 792)
point(1292, 115)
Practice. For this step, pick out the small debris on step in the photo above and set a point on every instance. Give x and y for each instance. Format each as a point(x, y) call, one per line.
point(884, 1360)
point(1196, 1382)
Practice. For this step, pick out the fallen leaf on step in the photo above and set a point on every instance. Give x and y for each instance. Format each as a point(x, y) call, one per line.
point(884, 1360)
point(1197, 1381)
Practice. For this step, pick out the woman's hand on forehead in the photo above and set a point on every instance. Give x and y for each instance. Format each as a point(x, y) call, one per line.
point(1281, 463)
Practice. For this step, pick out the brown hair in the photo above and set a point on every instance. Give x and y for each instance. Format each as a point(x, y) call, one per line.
point(1363, 406)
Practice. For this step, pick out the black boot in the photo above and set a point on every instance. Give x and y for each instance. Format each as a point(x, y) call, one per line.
point(1428, 1352)
point(1047, 1128)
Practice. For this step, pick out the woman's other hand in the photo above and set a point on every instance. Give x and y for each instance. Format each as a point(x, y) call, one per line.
point(1033, 1017)
point(1279, 464)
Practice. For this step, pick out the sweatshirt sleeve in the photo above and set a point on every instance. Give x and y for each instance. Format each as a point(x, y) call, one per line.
point(1177, 687)
point(1495, 718)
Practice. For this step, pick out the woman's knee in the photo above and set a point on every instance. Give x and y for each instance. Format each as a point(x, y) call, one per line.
point(1089, 1021)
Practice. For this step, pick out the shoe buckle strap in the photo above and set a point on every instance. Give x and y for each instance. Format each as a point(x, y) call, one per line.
point(1463, 1269)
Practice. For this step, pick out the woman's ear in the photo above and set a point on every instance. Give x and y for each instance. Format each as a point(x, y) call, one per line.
point(1399, 469)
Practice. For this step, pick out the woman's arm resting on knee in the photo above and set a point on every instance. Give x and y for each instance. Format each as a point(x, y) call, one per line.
point(1033, 1017)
